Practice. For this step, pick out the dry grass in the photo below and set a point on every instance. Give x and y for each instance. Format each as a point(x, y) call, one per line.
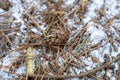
point(60, 50)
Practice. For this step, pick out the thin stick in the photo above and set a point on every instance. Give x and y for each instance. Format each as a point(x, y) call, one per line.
point(9, 29)
point(77, 75)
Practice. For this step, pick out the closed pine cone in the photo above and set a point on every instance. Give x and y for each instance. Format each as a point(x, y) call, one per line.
point(56, 37)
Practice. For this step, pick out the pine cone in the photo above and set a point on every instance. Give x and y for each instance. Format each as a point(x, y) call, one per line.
point(56, 37)
point(5, 4)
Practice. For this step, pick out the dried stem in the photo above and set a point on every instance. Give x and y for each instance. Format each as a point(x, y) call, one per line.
point(77, 75)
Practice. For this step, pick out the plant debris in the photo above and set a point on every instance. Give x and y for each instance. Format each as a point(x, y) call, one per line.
point(69, 39)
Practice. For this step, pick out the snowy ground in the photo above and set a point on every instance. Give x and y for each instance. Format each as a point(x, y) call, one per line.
point(100, 33)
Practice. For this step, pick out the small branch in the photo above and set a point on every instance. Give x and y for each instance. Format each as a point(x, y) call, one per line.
point(77, 75)
point(23, 46)
point(10, 29)
point(16, 49)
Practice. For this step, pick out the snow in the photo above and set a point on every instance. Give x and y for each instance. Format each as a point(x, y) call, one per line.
point(61, 61)
point(21, 70)
point(34, 30)
point(10, 58)
point(114, 54)
point(17, 10)
point(22, 27)
point(42, 8)
point(100, 73)
point(69, 2)
point(96, 31)
point(113, 78)
point(1, 10)
point(88, 61)
point(7, 76)
point(98, 55)
point(91, 10)
point(112, 11)
point(70, 22)
point(109, 73)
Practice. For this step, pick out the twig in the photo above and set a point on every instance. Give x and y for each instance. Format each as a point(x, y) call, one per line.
point(49, 26)
point(9, 29)
point(22, 47)
point(12, 51)
point(77, 75)
point(34, 22)
point(37, 25)
point(7, 37)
